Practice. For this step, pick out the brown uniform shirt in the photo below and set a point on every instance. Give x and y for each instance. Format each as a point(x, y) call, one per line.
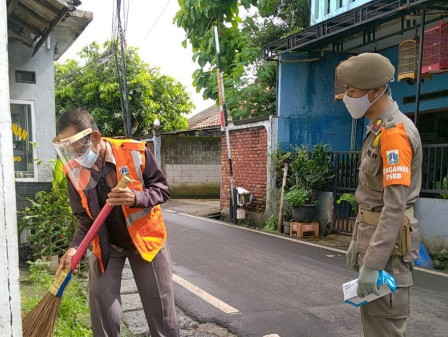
point(376, 193)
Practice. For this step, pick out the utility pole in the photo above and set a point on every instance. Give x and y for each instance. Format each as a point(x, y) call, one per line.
point(224, 124)
point(124, 88)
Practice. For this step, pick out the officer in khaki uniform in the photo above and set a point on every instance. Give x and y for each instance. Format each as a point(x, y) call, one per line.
point(386, 234)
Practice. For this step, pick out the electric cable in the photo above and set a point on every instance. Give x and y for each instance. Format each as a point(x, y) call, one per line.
point(155, 22)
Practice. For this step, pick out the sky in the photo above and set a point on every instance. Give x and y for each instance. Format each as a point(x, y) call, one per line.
point(149, 27)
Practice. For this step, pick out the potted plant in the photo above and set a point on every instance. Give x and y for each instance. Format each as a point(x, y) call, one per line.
point(299, 200)
point(310, 172)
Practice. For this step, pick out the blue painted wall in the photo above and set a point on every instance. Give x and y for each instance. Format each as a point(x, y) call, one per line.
point(308, 113)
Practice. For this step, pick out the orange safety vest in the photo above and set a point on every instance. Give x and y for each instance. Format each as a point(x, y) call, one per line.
point(145, 225)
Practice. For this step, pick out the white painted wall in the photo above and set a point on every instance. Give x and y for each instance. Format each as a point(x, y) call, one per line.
point(322, 10)
point(10, 317)
point(433, 217)
point(41, 93)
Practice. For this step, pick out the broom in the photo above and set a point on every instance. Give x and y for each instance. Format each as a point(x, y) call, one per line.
point(40, 321)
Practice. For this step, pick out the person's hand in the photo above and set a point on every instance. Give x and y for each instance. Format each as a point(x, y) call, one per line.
point(121, 197)
point(66, 259)
point(368, 278)
point(352, 256)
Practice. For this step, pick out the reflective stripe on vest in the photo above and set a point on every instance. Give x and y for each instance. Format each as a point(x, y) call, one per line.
point(133, 217)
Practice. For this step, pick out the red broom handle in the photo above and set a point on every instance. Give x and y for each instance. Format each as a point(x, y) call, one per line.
point(95, 227)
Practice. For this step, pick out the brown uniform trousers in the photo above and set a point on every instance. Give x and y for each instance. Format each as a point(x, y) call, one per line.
point(154, 284)
point(386, 317)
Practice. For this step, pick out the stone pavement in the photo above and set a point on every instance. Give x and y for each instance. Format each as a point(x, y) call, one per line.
point(134, 321)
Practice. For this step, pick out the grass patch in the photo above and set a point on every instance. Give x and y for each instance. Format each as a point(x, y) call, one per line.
point(74, 317)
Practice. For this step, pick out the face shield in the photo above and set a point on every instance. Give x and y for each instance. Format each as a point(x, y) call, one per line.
point(78, 155)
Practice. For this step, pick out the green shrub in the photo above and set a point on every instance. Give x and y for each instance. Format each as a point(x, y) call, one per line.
point(310, 171)
point(271, 224)
point(39, 275)
point(50, 218)
point(350, 198)
point(298, 197)
point(442, 186)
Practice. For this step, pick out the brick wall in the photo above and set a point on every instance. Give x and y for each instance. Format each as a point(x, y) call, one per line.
point(248, 148)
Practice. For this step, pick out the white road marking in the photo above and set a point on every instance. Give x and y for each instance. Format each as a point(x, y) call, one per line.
point(431, 271)
point(205, 295)
point(273, 335)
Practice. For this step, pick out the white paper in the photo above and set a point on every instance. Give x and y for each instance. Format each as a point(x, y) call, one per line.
point(350, 290)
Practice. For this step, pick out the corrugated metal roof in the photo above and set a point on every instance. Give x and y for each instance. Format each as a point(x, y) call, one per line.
point(31, 22)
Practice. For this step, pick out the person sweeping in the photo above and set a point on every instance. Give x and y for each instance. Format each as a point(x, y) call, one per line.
point(133, 231)
point(40, 321)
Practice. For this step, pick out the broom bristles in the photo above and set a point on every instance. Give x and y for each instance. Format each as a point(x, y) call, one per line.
point(40, 321)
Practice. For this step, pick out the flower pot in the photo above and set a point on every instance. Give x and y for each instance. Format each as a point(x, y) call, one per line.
point(303, 213)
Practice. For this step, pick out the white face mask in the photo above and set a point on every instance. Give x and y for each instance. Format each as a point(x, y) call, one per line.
point(87, 159)
point(357, 107)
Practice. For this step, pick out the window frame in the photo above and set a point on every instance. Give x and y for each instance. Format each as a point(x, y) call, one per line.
point(35, 177)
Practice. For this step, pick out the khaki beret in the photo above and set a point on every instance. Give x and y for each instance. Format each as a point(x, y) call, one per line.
point(366, 71)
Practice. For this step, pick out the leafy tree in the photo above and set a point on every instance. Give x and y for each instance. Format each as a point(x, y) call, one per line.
point(287, 16)
point(249, 80)
point(198, 18)
point(93, 85)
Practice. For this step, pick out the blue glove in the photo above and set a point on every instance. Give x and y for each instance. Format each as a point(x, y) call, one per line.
point(352, 256)
point(387, 279)
point(367, 282)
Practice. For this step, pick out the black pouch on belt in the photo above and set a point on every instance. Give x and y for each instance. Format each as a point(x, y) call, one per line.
point(403, 245)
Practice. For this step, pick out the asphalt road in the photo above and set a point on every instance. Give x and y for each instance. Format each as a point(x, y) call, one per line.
point(265, 285)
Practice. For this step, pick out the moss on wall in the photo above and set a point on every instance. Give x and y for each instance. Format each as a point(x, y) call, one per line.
point(206, 190)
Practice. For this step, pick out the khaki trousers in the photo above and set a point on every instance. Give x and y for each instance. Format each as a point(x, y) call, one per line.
point(386, 316)
point(154, 284)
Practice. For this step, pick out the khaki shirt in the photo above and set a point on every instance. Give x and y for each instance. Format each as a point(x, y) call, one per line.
point(382, 188)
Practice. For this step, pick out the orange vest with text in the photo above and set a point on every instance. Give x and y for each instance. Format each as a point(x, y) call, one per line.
point(145, 225)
